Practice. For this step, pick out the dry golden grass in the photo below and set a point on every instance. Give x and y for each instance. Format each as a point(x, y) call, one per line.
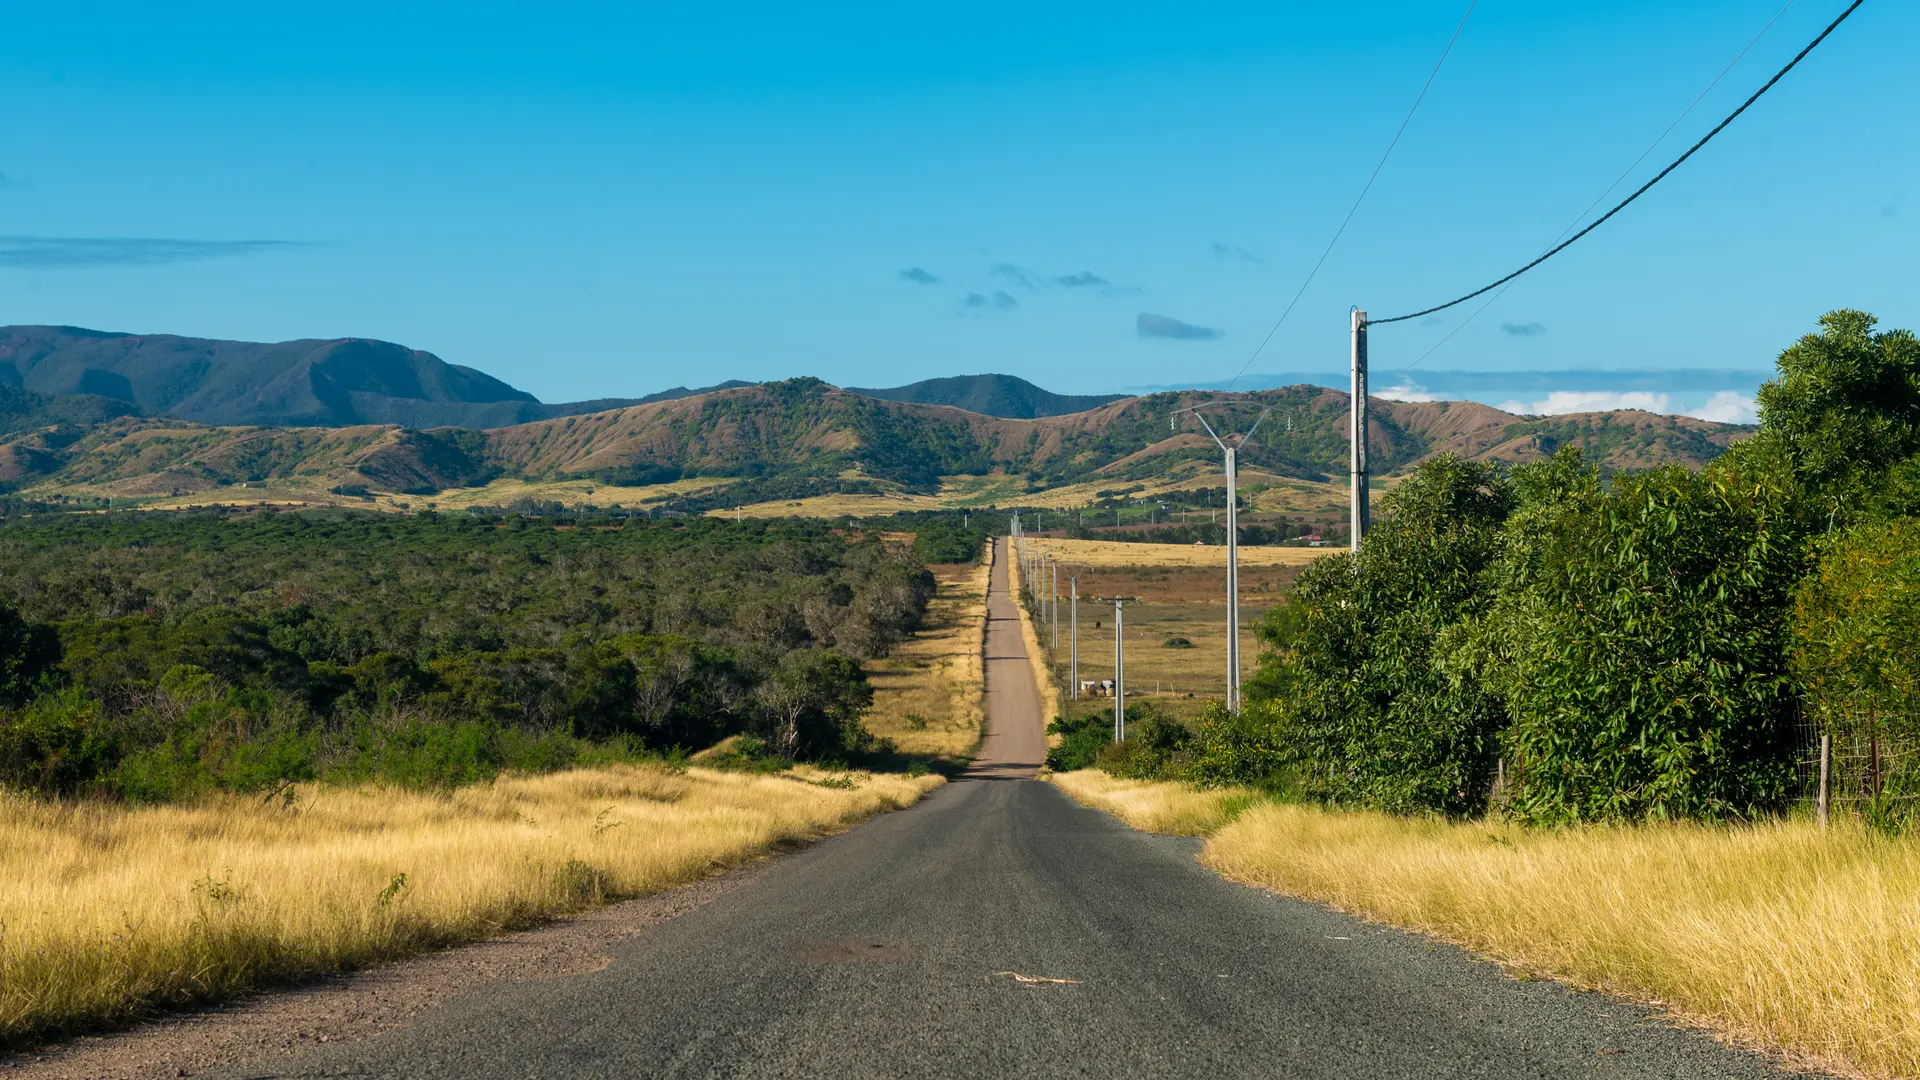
point(936, 674)
point(569, 492)
point(833, 506)
point(1038, 657)
point(1175, 809)
point(108, 911)
point(306, 491)
point(1283, 494)
point(1113, 553)
point(1777, 936)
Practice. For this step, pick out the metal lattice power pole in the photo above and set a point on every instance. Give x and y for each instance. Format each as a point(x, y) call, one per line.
point(1357, 433)
point(1232, 466)
point(1233, 582)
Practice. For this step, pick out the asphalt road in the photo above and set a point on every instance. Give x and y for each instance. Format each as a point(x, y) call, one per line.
point(902, 949)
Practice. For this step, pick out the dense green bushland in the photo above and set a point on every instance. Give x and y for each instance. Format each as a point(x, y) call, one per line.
point(1585, 647)
point(154, 655)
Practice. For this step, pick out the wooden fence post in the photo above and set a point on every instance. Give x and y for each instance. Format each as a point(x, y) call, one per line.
point(1826, 755)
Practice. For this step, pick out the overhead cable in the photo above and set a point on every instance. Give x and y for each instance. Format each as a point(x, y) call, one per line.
point(1622, 205)
point(1618, 180)
point(1362, 197)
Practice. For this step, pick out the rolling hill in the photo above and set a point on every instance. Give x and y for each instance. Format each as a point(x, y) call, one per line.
point(804, 437)
point(323, 383)
point(1005, 396)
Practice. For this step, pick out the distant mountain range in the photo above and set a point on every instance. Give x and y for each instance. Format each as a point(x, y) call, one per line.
point(1005, 396)
point(156, 415)
point(787, 439)
point(341, 382)
point(323, 383)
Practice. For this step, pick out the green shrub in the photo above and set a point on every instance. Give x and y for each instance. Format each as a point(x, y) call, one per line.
point(1248, 749)
point(55, 745)
point(1153, 749)
point(1081, 739)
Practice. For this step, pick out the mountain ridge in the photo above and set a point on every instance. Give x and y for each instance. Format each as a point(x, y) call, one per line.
point(803, 436)
point(308, 382)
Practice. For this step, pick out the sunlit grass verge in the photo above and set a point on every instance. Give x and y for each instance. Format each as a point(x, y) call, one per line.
point(1778, 936)
point(1154, 806)
point(109, 911)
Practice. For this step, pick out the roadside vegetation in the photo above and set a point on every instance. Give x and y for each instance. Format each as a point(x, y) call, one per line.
point(1778, 935)
point(113, 910)
point(153, 657)
point(237, 749)
point(1574, 720)
point(1556, 646)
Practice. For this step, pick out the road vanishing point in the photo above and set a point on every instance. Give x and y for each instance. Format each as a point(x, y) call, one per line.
point(999, 929)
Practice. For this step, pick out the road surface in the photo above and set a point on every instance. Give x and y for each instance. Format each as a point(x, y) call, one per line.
point(998, 929)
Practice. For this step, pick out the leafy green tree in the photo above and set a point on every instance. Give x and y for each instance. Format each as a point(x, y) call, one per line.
point(28, 655)
point(814, 700)
point(684, 693)
point(1856, 631)
point(1372, 716)
point(1844, 409)
point(1639, 644)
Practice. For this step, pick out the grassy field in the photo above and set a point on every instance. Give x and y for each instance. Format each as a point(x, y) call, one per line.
point(1776, 936)
point(833, 506)
point(306, 491)
point(1182, 595)
point(1108, 554)
point(927, 693)
point(110, 911)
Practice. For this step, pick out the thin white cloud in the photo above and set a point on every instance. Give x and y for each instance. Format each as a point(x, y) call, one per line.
point(1577, 401)
point(1407, 390)
point(1729, 407)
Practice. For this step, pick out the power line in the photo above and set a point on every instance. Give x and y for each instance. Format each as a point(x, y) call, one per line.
point(1622, 205)
point(1362, 197)
point(1624, 173)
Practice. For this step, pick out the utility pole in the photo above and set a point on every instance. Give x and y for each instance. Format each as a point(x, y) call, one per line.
point(1362, 516)
point(1054, 587)
point(1232, 455)
point(1233, 581)
point(1073, 639)
point(1119, 671)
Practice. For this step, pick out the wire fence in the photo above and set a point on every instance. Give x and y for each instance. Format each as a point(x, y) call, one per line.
point(1867, 766)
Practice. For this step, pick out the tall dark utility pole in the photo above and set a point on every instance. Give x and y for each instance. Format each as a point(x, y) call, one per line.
point(1357, 433)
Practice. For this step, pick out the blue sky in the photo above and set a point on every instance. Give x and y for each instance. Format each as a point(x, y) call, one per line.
point(590, 202)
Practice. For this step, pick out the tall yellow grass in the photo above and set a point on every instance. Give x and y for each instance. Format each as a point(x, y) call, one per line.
point(107, 911)
point(1124, 554)
point(1037, 657)
point(1778, 936)
point(1175, 809)
point(935, 675)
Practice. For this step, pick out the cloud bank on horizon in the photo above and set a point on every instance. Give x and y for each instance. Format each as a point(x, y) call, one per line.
point(1721, 406)
point(1722, 395)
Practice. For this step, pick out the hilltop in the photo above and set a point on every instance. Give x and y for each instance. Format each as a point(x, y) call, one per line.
point(309, 383)
point(1007, 396)
point(796, 439)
